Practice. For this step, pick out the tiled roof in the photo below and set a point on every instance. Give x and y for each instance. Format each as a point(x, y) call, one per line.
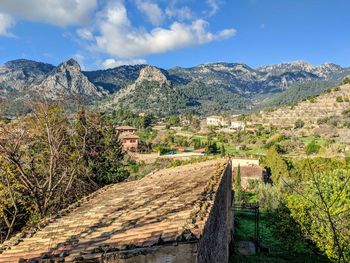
point(126, 128)
point(169, 205)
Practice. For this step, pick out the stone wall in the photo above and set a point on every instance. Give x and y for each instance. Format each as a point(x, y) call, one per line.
point(213, 246)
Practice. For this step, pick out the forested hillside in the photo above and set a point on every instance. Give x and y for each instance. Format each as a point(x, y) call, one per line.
point(213, 88)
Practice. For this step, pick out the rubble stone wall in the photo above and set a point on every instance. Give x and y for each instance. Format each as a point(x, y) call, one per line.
point(213, 247)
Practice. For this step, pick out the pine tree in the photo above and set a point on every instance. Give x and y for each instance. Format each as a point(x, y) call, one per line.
point(238, 179)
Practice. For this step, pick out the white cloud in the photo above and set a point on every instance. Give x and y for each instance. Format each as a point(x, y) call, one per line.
point(182, 13)
point(227, 33)
point(85, 33)
point(214, 7)
point(117, 37)
point(152, 11)
point(6, 22)
point(56, 12)
point(112, 63)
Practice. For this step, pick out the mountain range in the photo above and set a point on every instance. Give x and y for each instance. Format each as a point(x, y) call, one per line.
point(203, 89)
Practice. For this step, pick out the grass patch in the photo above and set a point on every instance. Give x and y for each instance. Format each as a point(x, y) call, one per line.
point(308, 139)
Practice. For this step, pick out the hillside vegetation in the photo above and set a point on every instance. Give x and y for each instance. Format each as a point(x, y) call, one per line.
point(334, 103)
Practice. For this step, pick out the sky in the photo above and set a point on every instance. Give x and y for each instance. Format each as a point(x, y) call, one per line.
point(103, 34)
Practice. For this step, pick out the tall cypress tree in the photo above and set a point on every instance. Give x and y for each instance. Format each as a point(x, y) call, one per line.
point(238, 179)
point(238, 187)
point(223, 150)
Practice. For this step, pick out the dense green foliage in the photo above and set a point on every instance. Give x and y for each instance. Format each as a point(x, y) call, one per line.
point(312, 147)
point(312, 194)
point(275, 165)
point(173, 120)
point(126, 117)
point(160, 99)
point(321, 207)
point(103, 154)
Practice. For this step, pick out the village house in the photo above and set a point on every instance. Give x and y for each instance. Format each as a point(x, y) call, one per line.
point(250, 173)
point(130, 141)
point(217, 121)
point(237, 125)
point(234, 127)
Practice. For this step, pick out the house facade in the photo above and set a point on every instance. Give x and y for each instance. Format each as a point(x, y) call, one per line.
point(217, 121)
point(250, 173)
point(130, 142)
point(128, 137)
point(237, 125)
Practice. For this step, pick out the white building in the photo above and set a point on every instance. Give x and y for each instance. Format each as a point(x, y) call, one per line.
point(217, 121)
point(237, 125)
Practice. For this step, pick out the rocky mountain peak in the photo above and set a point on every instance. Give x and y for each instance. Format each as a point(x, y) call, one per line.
point(67, 78)
point(152, 74)
point(71, 65)
point(331, 66)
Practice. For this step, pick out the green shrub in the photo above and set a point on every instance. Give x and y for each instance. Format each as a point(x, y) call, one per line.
point(299, 124)
point(312, 148)
point(339, 99)
point(346, 113)
point(322, 120)
point(346, 80)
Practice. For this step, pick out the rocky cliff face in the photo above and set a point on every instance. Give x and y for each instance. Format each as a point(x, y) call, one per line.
point(20, 74)
point(116, 78)
point(66, 79)
point(152, 74)
point(274, 78)
point(325, 71)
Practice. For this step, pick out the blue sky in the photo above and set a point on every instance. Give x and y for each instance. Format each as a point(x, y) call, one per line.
point(168, 33)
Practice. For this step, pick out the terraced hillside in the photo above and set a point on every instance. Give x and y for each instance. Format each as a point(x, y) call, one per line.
point(332, 103)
